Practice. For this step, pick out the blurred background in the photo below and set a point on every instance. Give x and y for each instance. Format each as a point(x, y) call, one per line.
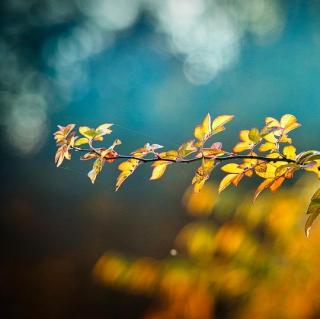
point(154, 68)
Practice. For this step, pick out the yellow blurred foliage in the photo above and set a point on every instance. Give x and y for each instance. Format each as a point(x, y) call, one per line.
point(256, 260)
point(202, 203)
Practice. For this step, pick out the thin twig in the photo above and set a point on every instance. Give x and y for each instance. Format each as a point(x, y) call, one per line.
point(189, 160)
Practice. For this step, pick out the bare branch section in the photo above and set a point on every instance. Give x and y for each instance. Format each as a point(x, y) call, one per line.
point(267, 152)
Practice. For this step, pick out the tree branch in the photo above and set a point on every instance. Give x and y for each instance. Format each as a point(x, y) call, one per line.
point(189, 160)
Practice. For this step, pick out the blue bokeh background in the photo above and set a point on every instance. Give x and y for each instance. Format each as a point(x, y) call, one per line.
point(142, 68)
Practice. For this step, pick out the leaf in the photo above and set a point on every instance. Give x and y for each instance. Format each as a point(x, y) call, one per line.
point(313, 211)
point(151, 148)
point(81, 141)
point(63, 151)
point(232, 168)
point(88, 156)
point(276, 132)
point(276, 183)
point(287, 170)
point(245, 144)
point(115, 143)
point(226, 181)
point(158, 170)
point(95, 134)
point(308, 156)
point(108, 154)
point(219, 122)
point(87, 132)
point(103, 129)
point(126, 168)
point(268, 146)
point(202, 174)
point(289, 152)
point(265, 184)
point(170, 155)
point(63, 133)
point(186, 149)
point(289, 122)
point(96, 169)
point(254, 135)
point(203, 131)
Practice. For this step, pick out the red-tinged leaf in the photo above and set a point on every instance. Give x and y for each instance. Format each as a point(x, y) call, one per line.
point(88, 156)
point(237, 179)
point(108, 154)
point(216, 146)
point(277, 183)
point(63, 133)
point(61, 154)
point(265, 184)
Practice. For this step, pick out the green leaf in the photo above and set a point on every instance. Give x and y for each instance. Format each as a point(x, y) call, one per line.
point(81, 141)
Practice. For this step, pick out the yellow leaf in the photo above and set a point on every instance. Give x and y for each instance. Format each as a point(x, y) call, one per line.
point(271, 137)
point(81, 141)
point(203, 131)
point(241, 146)
point(268, 146)
point(289, 152)
point(245, 144)
point(126, 168)
point(232, 168)
point(198, 132)
point(226, 181)
point(254, 135)
point(220, 121)
point(206, 124)
point(96, 169)
point(171, 155)
point(244, 135)
point(271, 122)
point(158, 171)
point(202, 174)
point(287, 120)
point(87, 132)
point(186, 149)
point(104, 129)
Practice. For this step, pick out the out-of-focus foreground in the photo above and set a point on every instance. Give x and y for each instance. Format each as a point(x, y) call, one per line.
point(243, 261)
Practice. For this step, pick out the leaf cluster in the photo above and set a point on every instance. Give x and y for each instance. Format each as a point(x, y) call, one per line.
point(267, 152)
